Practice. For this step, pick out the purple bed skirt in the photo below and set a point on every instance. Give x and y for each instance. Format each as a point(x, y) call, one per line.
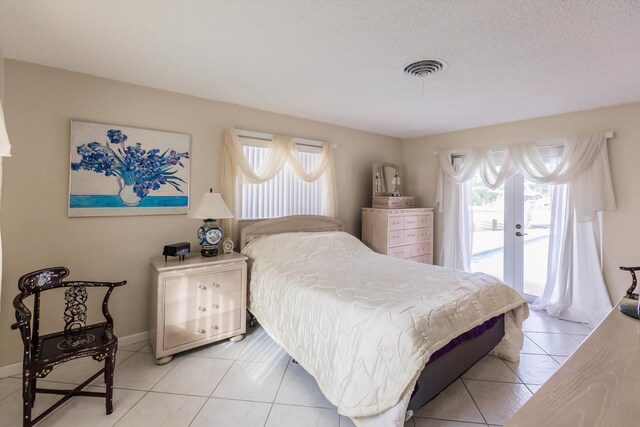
point(470, 334)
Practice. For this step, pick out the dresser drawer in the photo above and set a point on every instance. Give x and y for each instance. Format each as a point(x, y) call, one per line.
point(202, 285)
point(421, 248)
point(203, 328)
point(417, 235)
point(396, 223)
point(400, 251)
point(425, 259)
point(424, 221)
point(410, 221)
point(202, 304)
point(396, 237)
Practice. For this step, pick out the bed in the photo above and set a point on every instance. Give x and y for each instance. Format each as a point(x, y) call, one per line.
point(380, 335)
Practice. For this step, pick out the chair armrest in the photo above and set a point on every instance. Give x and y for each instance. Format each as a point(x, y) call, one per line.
point(94, 284)
point(23, 314)
point(630, 268)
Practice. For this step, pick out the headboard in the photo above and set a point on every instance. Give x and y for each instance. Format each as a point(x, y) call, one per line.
point(289, 224)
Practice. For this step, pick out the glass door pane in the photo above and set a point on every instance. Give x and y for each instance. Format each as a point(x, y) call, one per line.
point(537, 223)
point(488, 229)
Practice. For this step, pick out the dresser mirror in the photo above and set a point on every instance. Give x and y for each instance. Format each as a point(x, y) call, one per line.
point(386, 179)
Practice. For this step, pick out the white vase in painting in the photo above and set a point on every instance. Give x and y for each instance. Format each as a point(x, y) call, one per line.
point(127, 194)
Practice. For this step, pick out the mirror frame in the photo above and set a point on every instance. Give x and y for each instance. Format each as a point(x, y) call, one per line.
point(374, 171)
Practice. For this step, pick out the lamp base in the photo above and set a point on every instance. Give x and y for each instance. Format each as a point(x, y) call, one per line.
point(209, 252)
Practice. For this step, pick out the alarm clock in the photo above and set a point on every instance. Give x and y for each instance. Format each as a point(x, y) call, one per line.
point(227, 245)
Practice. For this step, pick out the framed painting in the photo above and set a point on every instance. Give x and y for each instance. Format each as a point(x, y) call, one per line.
point(121, 170)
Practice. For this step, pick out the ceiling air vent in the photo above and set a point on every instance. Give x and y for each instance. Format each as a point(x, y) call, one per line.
point(425, 67)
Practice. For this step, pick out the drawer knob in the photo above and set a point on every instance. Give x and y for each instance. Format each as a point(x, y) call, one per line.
point(202, 308)
point(215, 285)
point(215, 306)
point(202, 287)
point(214, 327)
point(201, 331)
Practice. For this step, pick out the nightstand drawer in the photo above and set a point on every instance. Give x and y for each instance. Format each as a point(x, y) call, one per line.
point(203, 328)
point(202, 285)
point(400, 251)
point(202, 305)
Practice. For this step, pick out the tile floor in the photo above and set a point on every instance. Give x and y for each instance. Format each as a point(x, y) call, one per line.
point(254, 383)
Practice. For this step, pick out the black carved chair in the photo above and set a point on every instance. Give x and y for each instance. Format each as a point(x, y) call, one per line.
point(43, 353)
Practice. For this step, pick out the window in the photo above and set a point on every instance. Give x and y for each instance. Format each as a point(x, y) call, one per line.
point(285, 194)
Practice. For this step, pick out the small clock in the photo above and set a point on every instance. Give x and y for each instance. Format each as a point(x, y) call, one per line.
point(227, 245)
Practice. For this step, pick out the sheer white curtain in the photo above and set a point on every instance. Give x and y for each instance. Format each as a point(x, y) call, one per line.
point(236, 169)
point(5, 151)
point(582, 189)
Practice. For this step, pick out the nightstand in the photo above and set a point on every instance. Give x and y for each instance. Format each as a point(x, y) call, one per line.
point(195, 302)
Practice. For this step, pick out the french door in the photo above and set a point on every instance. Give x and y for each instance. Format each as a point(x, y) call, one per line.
point(511, 228)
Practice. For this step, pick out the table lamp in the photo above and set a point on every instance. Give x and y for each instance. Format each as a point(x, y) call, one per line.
point(210, 207)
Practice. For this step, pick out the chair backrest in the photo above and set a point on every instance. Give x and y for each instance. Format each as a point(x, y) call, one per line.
point(75, 313)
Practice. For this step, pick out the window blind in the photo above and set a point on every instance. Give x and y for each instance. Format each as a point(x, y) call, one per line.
point(285, 194)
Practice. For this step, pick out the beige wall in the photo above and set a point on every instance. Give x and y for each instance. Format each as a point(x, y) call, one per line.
point(621, 230)
point(40, 102)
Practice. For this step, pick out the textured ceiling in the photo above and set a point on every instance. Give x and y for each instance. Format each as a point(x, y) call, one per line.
point(340, 61)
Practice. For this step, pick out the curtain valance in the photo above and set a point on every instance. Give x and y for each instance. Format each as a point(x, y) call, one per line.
point(584, 164)
point(282, 150)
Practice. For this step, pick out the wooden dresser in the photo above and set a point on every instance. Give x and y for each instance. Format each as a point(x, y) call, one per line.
point(196, 301)
point(599, 385)
point(402, 233)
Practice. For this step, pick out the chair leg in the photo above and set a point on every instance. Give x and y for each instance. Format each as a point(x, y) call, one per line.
point(110, 363)
point(33, 392)
point(27, 399)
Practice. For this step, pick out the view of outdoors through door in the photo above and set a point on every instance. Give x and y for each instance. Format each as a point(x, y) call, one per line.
point(487, 254)
point(528, 271)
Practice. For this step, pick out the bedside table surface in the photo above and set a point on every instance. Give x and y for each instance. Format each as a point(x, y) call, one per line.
point(194, 260)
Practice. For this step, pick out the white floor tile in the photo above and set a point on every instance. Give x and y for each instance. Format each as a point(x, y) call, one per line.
point(426, 422)
point(539, 324)
point(11, 406)
point(453, 403)
point(221, 350)
point(300, 388)
point(79, 370)
point(197, 376)
point(491, 368)
point(133, 347)
point(560, 359)
point(554, 344)
point(534, 368)
point(146, 349)
point(498, 401)
point(247, 380)
point(163, 410)
point(232, 413)
point(579, 338)
point(139, 372)
point(90, 411)
point(261, 348)
point(8, 386)
point(296, 416)
point(533, 387)
point(530, 347)
point(570, 327)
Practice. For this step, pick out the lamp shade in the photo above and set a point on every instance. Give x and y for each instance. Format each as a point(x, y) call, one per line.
point(210, 206)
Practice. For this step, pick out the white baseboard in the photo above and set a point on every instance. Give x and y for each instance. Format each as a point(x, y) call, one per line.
point(16, 368)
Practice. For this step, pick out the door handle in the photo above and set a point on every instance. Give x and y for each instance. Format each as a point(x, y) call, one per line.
point(520, 234)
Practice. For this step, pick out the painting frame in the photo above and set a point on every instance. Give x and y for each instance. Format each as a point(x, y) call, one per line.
point(121, 170)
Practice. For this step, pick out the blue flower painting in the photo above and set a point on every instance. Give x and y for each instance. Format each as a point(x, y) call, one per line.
point(119, 170)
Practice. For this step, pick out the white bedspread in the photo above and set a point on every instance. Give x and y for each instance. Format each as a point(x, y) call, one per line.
point(363, 324)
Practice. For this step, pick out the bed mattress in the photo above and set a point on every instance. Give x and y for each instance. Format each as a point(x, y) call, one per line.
point(363, 324)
